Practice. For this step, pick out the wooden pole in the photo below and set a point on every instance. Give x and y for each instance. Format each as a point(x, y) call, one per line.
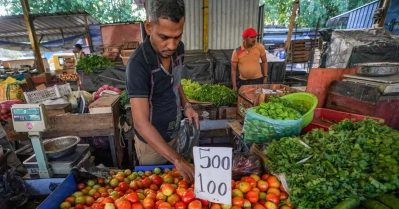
point(295, 7)
point(382, 13)
point(205, 25)
point(88, 37)
point(32, 36)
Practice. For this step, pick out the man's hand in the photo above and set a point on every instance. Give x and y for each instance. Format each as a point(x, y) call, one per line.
point(235, 88)
point(185, 169)
point(192, 115)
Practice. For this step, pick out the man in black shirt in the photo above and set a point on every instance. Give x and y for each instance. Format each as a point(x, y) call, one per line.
point(153, 84)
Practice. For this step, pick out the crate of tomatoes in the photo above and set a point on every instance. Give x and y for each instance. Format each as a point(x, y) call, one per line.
point(161, 187)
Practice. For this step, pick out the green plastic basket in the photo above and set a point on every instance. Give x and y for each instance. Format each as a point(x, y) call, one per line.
point(309, 99)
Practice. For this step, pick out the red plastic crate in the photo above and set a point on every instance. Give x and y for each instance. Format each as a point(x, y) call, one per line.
point(324, 118)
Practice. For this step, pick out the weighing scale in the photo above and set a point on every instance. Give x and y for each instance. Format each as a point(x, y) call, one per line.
point(388, 85)
point(31, 118)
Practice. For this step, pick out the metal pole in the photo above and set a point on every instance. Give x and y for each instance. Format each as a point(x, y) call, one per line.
point(32, 36)
point(41, 158)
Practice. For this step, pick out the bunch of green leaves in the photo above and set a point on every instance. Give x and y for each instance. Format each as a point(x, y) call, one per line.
point(352, 159)
point(277, 110)
point(189, 87)
point(302, 106)
point(93, 62)
point(215, 93)
point(124, 100)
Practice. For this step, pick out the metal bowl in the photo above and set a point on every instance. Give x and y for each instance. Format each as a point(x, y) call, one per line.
point(61, 146)
point(378, 68)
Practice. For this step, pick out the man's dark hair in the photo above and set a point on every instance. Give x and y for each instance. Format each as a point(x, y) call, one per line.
point(78, 46)
point(167, 9)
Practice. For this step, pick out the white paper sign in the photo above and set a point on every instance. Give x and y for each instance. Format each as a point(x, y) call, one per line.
point(213, 173)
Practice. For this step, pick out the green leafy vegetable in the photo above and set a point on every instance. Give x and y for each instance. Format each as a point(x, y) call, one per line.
point(215, 93)
point(276, 109)
point(351, 160)
point(94, 62)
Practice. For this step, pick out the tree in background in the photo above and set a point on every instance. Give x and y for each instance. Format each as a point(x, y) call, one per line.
point(277, 12)
point(105, 11)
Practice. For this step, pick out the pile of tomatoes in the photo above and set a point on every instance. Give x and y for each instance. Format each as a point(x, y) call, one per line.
point(167, 190)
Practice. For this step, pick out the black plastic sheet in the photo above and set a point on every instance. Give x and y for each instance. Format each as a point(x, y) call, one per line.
point(350, 47)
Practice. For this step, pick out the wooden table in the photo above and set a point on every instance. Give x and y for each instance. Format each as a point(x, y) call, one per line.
point(84, 125)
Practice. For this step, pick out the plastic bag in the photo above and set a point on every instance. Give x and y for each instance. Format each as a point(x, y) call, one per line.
point(245, 165)
point(261, 129)
point(10, 89)
point(188, 138)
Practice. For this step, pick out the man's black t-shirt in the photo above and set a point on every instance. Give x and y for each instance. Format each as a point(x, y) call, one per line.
point(146, 78)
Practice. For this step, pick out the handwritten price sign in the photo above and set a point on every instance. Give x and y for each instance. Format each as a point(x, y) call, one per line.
point(213, 173)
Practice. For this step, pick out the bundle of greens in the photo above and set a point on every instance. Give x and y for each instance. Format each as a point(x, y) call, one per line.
point(277, 110)
point(351, 160)
point(93, 62)
point(215, 93)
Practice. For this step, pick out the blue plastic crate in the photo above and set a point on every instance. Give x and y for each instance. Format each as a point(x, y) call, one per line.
point(69, 185)
point(151, 167)
point(66, 188)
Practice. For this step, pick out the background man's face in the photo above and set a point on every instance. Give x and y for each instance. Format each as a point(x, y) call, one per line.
point(165, 35)
point(250, 41)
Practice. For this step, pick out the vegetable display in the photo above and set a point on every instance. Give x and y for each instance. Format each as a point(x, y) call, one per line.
point(94, 62)
point(215, 93)
point(166, 189)
point(5, 108)
point(351, 160)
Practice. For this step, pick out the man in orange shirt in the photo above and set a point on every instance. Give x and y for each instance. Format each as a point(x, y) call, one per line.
point(246, 59)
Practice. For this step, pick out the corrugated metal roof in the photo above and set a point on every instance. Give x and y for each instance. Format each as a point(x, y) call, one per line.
point(48, 26)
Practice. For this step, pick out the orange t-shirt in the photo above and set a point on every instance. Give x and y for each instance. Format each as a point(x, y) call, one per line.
point(248, 61)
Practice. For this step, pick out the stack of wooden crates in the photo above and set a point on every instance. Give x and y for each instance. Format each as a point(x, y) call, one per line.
point(128, 50)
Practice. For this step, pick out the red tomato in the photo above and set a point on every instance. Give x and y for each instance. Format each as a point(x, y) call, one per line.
point(81, 186)
point(148, 203)
point(124, 186)
point(180, 205)
point(188, 196)
point(107, 200)
point(70, 199)
point(97, 205)
point(265, 176)
point(137, 206)
point(262, 185)
point(195, 204)
point(157, 180)
point(204, 203)
point(258, 206)
point(273, 198)
point(123, 204)
point(272, 181)
point(216, 206)
point(239, 201)
point(283, 196)
point(252, 196)
point(164, 205)
point(183, 184)
point(132, 197)
point(79, 206)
